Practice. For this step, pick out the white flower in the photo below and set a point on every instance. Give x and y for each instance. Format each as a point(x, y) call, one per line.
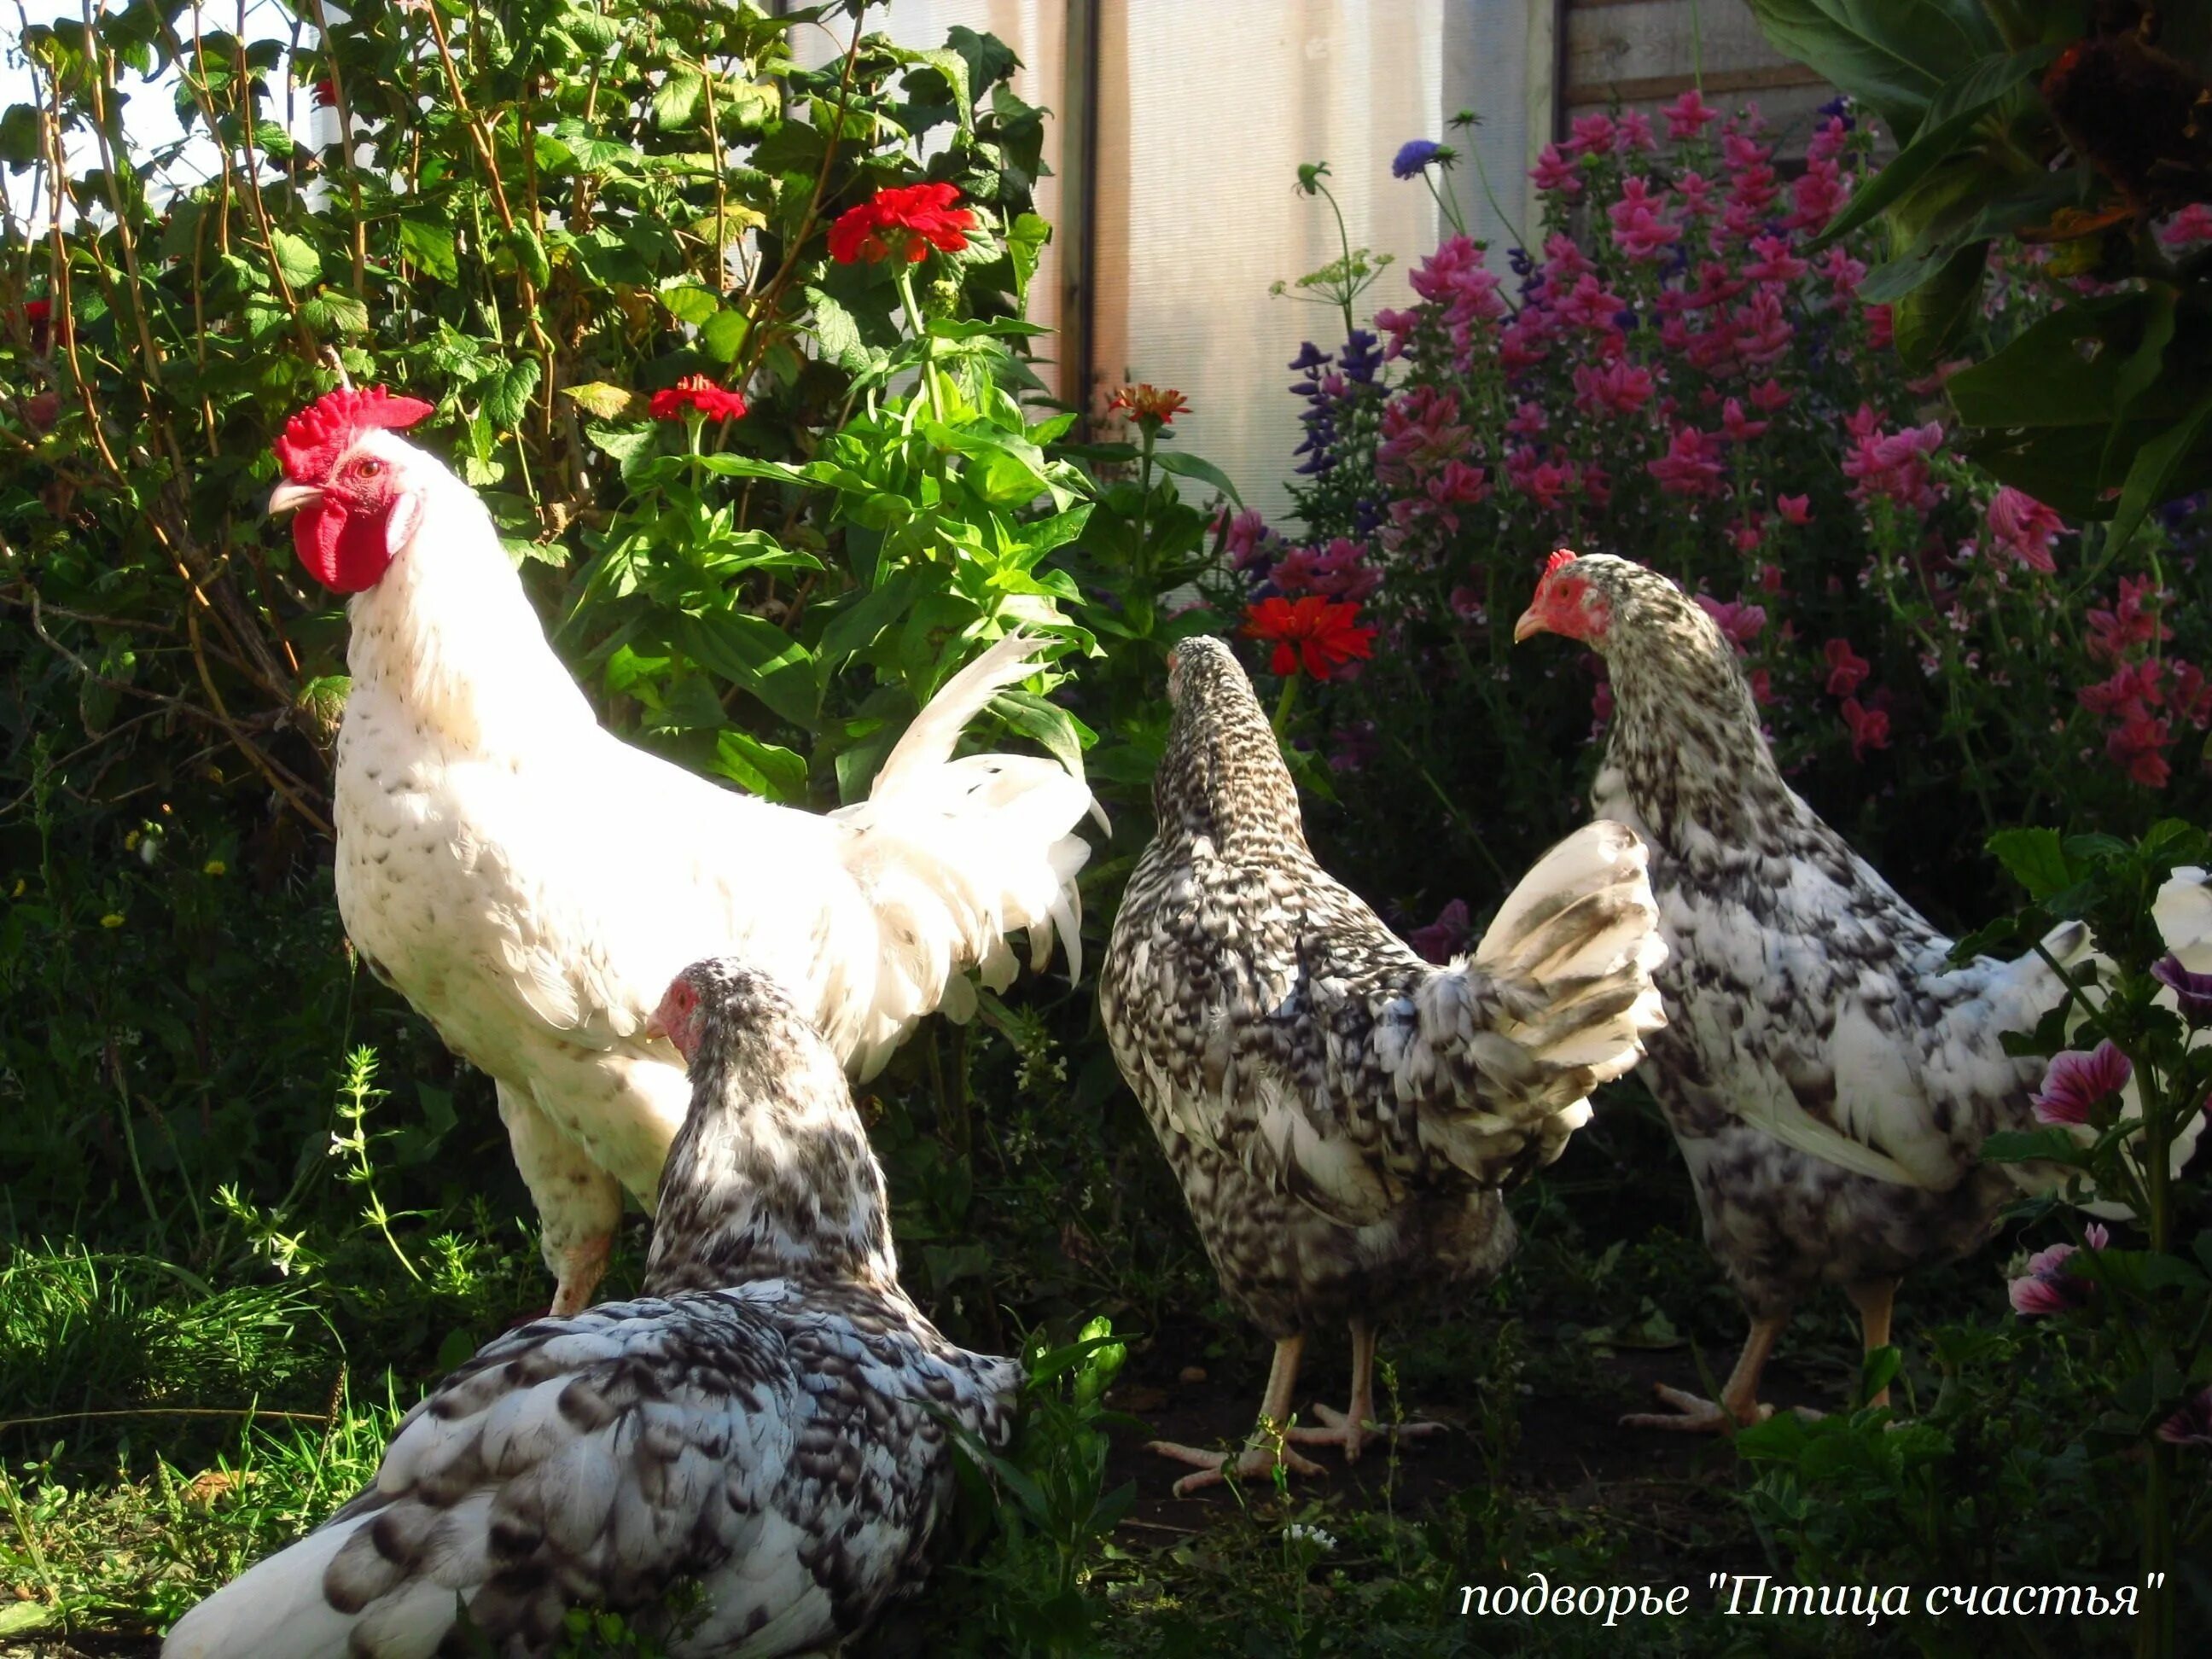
point(1299, 1532)
point(2182, 912)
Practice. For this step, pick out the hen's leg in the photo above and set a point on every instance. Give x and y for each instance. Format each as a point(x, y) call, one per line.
point(579, 1204)
point(1259, 1457)
point(1739, 1405)
point(1355, 1426)
point(1875, 1300)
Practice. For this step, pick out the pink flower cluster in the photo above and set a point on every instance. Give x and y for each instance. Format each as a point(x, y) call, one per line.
point(2146, 693)
point(1339, 571)
point(1893, 465)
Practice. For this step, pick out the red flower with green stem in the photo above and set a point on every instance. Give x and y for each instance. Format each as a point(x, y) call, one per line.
point(902, 222)
point(1315, 634)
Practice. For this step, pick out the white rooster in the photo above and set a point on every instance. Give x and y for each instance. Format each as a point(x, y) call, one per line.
point(530, 884)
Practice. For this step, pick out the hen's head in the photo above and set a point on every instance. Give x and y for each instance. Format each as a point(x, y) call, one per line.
point(1205, 671)
point(354, 484)
point(1222, 768)
point(1611, 605)
point(724, 1004)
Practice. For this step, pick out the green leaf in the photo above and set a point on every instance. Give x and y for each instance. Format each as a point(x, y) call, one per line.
point(2066, 370)
point(764, 768)
point(2167, 466)
point(507, 393)
point(296, 258)
point(954, 68)
point(1928, 321)
point(2051, 1146)
point(1190, 466)
point(609, 403)
point(689, 302)
point(724, 336)
point(429, 244)
point(1897, 57)
point(2036, 858)
point(856, 627)
point(757, 656)
point(1046, 723)
point(838, 333)
point(1956, 110)
point(675, 102)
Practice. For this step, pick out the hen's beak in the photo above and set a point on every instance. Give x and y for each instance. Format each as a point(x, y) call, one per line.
point(287, 496)
point(1530, 623)
point(654, 1030)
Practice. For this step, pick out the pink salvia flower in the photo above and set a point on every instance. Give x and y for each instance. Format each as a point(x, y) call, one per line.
point(1847, 670)
point(1795, 509)
point(2024, 528)
point(1555, 172)
point(1740, 623)
point(2074, 1083)
point(1689, 115)
point(2191, 228)
point(2047, 1288)
point(1870, 727)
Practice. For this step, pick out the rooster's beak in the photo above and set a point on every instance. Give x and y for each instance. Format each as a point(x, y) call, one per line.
point(1530, 623)
point(287, 496)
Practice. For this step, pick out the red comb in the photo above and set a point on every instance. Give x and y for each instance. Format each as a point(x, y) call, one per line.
point(315, 437)
point(1564, 556)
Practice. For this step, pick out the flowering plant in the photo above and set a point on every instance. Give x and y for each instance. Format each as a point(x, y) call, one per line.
point(1670, 371)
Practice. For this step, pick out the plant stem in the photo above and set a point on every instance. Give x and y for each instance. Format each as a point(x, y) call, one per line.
point(1290, 694)
point(921, 335)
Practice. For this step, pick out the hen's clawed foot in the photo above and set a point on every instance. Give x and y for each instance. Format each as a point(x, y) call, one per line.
point(1215, 1466)
point(1338, 1429)
point(1694, 1414)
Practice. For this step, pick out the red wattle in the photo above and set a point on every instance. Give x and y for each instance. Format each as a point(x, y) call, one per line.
point(344, 553)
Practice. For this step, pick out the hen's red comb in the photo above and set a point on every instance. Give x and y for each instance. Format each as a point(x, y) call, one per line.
point(1564, 556)
point(315, 437)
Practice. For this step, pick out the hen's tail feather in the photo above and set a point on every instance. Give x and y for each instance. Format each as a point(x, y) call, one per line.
point(955, 854)
point(1567, 967)
point(277, 1610)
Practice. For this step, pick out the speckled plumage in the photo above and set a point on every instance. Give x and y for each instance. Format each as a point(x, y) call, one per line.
point(766, 1423)
point(1829, 1076)
point(1340, 1113)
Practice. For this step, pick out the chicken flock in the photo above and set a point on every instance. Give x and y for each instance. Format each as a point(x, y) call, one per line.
point(670, 984)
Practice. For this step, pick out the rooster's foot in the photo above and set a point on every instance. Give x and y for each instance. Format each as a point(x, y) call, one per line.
point(1215, 1465)
point(1338, 1429)
point(1693, 1414)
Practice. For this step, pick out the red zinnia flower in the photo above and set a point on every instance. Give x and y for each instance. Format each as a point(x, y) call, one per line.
point(324, 93)
point(696, 392)
point(1149, 405)
point(1319, 634)
point(906, 219)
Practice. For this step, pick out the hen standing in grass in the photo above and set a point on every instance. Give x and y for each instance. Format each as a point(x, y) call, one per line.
point(750, 1458)
point(1340, 1113)
point(1829, 1075)
point(530, 883)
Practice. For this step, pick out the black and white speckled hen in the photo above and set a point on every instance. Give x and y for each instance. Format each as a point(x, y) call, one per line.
point(1828, 1074)
point(1340, 1113)
point(767, 1423)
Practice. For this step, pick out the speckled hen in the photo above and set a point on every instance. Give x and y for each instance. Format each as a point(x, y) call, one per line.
point(529, 882)
point(749, 1459)
point(1828, 1074)
point(1341, 1113)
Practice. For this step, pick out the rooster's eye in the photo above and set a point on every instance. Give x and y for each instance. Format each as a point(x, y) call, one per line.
point(367, 468)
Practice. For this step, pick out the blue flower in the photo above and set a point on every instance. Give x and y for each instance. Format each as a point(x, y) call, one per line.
point(1840, 104)
point(1414, 157)
point(1310, 357)
point(1362, 356)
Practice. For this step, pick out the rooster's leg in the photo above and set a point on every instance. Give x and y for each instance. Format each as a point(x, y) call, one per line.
point(1739, 1405)
point(1355, 1426)
point(1873, 1300)
point(579, 1204)
point(1258, 1459)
